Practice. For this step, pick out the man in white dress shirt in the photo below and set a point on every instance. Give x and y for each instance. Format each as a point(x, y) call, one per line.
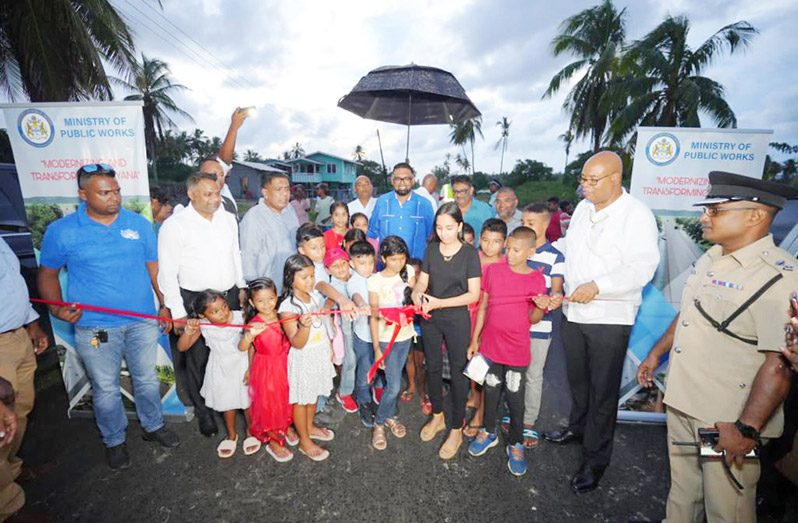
point(197, 250)
point(611, 253)
point(364, 203)
point(429, 190)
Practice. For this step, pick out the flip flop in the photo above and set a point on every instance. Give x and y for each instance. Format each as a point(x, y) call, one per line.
point(407, 396)
point(397, 429)
point(280, 459)
point(293, 441)
point(227, 448)
point(471, 431)
point(320, 456)
point(426, 405)
point(327, 435)
point(251, 445)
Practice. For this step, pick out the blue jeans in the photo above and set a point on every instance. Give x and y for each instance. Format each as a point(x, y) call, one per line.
point(347, 385)
point(394, 364)
point(364, 356)
point(137, 343)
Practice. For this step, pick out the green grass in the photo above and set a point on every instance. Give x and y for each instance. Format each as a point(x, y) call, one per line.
point(530, 192)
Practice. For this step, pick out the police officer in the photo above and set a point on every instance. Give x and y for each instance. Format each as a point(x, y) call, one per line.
point(726, 370)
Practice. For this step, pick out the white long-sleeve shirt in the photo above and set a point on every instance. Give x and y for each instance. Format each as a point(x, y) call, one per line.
point(617, 249)
point(197, 254)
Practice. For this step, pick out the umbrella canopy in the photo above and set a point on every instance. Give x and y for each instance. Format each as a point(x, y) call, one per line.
point(410, 95)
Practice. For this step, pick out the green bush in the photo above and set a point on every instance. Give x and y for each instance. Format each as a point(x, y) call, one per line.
point(39, 217)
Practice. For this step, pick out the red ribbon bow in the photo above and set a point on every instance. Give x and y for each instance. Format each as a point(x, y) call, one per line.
point(398, 317)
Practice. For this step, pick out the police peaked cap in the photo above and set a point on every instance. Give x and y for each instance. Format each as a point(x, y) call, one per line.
point(726, 187)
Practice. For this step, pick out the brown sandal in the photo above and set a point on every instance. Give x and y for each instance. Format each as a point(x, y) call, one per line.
point(397, 429)
point(378, 440)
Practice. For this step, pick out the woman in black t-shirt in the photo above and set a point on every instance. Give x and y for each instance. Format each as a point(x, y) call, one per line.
point(448, 283)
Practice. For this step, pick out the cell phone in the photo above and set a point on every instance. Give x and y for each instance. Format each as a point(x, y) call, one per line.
point(709, 440)
point(249, 111)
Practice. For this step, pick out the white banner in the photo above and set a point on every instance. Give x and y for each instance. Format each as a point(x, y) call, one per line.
point(50, 142)
point(671, 163)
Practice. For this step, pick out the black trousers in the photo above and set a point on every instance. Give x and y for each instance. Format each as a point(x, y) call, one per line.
point(511, 381)
point(190, 365)
point(454, 327)
point(594, 356)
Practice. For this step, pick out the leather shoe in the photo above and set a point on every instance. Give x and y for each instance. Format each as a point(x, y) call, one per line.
point(562, 437)
point(586, 479)
point(164, 436)
point(207, 426)
point(118, 457)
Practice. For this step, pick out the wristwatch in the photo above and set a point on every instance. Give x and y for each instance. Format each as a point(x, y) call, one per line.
point(747, 430)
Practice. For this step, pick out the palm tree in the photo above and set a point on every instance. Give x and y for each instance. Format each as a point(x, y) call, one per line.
point(359, 153)
point(466, 132)
point(504, 125)
point(53, 50)
point(567, 138)
point(297, 151)
point(252, 156)
point(462, 161)
point(596, 37)
point(667, 88)
point(150, 83)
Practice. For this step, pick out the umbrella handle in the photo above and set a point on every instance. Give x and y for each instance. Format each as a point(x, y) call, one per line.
point(409, 115)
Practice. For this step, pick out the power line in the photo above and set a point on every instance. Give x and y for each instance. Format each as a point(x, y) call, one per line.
point(201, 62)
point(206, 50)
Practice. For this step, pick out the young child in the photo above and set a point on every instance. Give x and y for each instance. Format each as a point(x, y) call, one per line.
point(361, 221)
point(310, 367)
point(491, 244)
point(336, 261)
point(500, 335)
point(268, 347)
point(225, 384)
point(362, 260)
point(310, 242)
point(416, 377)
point(468, 234)
point(334, 236)
point(387, 289)
point(448, 283)
point(551, 263)
point(352, 236)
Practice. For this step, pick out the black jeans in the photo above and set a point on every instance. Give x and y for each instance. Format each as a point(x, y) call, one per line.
point(511, 381)
point(594, 356)
point(190, 365)
point(454, 327)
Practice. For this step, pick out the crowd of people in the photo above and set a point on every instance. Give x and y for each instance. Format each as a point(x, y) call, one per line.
point(295, 323)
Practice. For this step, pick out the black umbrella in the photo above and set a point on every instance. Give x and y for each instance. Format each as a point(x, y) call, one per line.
point(410, 95)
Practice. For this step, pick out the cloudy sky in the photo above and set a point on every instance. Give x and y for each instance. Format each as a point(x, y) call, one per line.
point(294, 60)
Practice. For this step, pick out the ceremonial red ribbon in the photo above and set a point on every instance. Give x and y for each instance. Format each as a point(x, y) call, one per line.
point(398, 317)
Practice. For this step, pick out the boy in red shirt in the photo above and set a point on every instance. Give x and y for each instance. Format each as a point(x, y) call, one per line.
point(500, 335)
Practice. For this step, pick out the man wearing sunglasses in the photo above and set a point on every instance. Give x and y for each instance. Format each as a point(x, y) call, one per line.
point(110, 254)
point(726, 370)
point(611, 253)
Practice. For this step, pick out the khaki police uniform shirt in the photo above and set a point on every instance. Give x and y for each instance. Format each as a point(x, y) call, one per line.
point(711, 373)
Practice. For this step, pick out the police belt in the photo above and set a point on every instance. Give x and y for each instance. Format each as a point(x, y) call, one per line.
point(723, 326)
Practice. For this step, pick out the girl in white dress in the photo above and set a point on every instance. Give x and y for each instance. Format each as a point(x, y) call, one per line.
point(225, 385)
point(310, 366)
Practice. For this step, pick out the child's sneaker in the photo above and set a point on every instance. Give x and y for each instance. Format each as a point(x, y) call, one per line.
point(515, 459)
point(347, 402)
point(366, 416)
point(482, 443)
point(376, 394)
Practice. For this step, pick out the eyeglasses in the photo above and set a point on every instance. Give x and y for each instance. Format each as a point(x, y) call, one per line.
point(593, 181)
point(462, 191)
point(402, 179)
point(714, 211)
point(94, 167)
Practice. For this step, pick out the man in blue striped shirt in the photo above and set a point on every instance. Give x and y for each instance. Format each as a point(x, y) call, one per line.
point(551, 263)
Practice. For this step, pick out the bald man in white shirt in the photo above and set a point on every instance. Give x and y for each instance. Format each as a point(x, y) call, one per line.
point(611, 253)
point(198, 249)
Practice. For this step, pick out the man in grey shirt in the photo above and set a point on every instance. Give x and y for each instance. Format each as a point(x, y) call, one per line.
point(268, 230)
point(507, 208)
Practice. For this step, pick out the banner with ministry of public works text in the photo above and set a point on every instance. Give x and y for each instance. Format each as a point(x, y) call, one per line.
point(671, 163)
point(50, 142)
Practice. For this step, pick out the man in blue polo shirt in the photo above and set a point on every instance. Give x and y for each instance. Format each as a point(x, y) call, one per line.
point(403, 213)
point(475, 212)
point(111, 256)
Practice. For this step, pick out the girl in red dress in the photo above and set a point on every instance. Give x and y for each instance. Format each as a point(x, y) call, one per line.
point(268, 371)
point(334, 236)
